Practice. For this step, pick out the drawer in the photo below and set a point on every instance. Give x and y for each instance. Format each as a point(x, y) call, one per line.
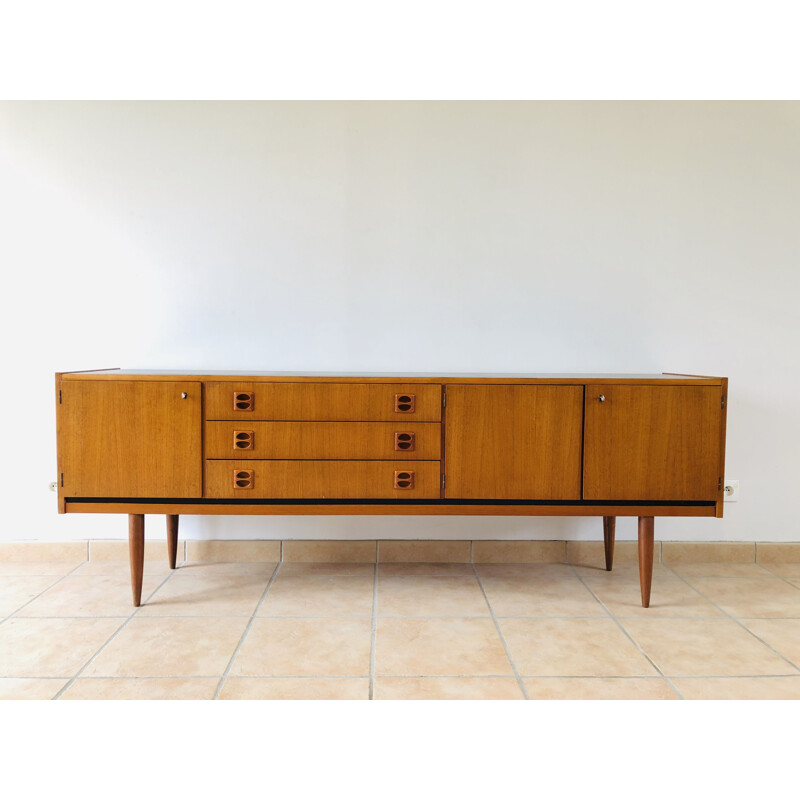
point(332, 402)
point(322, 480)
point(324, 440)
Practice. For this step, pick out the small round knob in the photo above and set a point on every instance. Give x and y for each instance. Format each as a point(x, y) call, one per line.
point(602, 398)
point(184, 395)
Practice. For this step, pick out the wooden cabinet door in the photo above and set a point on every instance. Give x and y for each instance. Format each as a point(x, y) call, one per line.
point(130, 438)
point(652, 442)
point(513, 442)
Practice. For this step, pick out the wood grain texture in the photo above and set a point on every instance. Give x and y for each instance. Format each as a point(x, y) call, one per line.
point(513, 442)
point(130, 439)
point(322, 479)
point(329, 402)
point(323, 440)
point(136, 553)
point(609, 534)
point(652, 443)
point(646, 548)
point(172, 540)
point(355, 509)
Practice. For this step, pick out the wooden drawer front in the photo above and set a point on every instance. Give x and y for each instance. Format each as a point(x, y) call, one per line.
point(333, 402)
point(322, 480)
point(323, 440)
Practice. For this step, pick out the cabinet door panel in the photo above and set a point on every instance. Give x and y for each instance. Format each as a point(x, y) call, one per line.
point(652, 442)
point(513, 442)
point(131, 439)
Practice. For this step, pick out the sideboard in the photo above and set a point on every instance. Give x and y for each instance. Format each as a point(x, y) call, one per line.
point(141, 442)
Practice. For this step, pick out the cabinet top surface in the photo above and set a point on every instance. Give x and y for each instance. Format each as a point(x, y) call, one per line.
point(428, 377)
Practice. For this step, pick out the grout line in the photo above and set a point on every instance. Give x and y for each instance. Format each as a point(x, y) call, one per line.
point(111, 638)
point(36, 597)
point(635, 643)
point(736, 620)
point(373, 634)
point(502, 638)
point(249, 625)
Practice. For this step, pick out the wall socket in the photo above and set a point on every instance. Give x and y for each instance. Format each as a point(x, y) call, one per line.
point(731, 491)
point(54, 486)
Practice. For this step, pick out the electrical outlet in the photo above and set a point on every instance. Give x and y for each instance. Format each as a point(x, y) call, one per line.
point(54, 486)
point(731, 491)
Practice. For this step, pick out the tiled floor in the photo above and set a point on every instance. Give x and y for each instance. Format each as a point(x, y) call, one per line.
point(399, 631)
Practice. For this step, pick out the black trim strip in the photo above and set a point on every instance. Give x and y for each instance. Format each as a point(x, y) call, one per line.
point(197, 501)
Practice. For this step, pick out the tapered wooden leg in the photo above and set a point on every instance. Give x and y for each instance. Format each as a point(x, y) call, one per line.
point(646, 530)
point(609, 526)
point(136, 548)
point(172, 539)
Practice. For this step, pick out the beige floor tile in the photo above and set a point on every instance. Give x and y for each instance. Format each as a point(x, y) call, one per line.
point(704, 647)
point(739, 688)
point(439, 570)
point(675, 552)
point(319, 596)
point(295, 689)
point(789, 570)
point(44, 551)
point(160, 647)
point(324, 568)
point(627, 571)
point(541, 597)
point(529, 571)
point(720, 569)
point(122, 568)
point(51, 648)
point(89, 596)
point(19, 568)
point(518, 552)
point(777, 552)
point(781, 634)
point(141, 689)
point(447, 689)
point(201, 569)
point(669, 597)
point(233, 550)
point(204, 596)
point(305, 647)
point(599, 689)
point(593, 554)
point(430, 551)
point(155, 549)
point(16, 591)
point(751, 597)
point(454, 646)
point(30, 688)
point(344, 551)
point(428, 596)
point(573, 647)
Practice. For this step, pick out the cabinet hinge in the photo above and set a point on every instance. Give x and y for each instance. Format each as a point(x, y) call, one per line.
point(723, 401)
point(62, 479)
point(444, 399)
point(442, 481)
point(719, 484)
point(59, 396)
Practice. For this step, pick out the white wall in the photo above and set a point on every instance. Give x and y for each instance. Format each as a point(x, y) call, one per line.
point(388, 236)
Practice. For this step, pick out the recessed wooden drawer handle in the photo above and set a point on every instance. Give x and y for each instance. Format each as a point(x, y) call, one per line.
point(243, 478)
point(404, 403)
point(243, 440)
point(244, 401)
point(403, 479)
point(404, 440)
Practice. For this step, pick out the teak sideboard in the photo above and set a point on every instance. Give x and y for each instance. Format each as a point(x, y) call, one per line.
point(139, 442)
